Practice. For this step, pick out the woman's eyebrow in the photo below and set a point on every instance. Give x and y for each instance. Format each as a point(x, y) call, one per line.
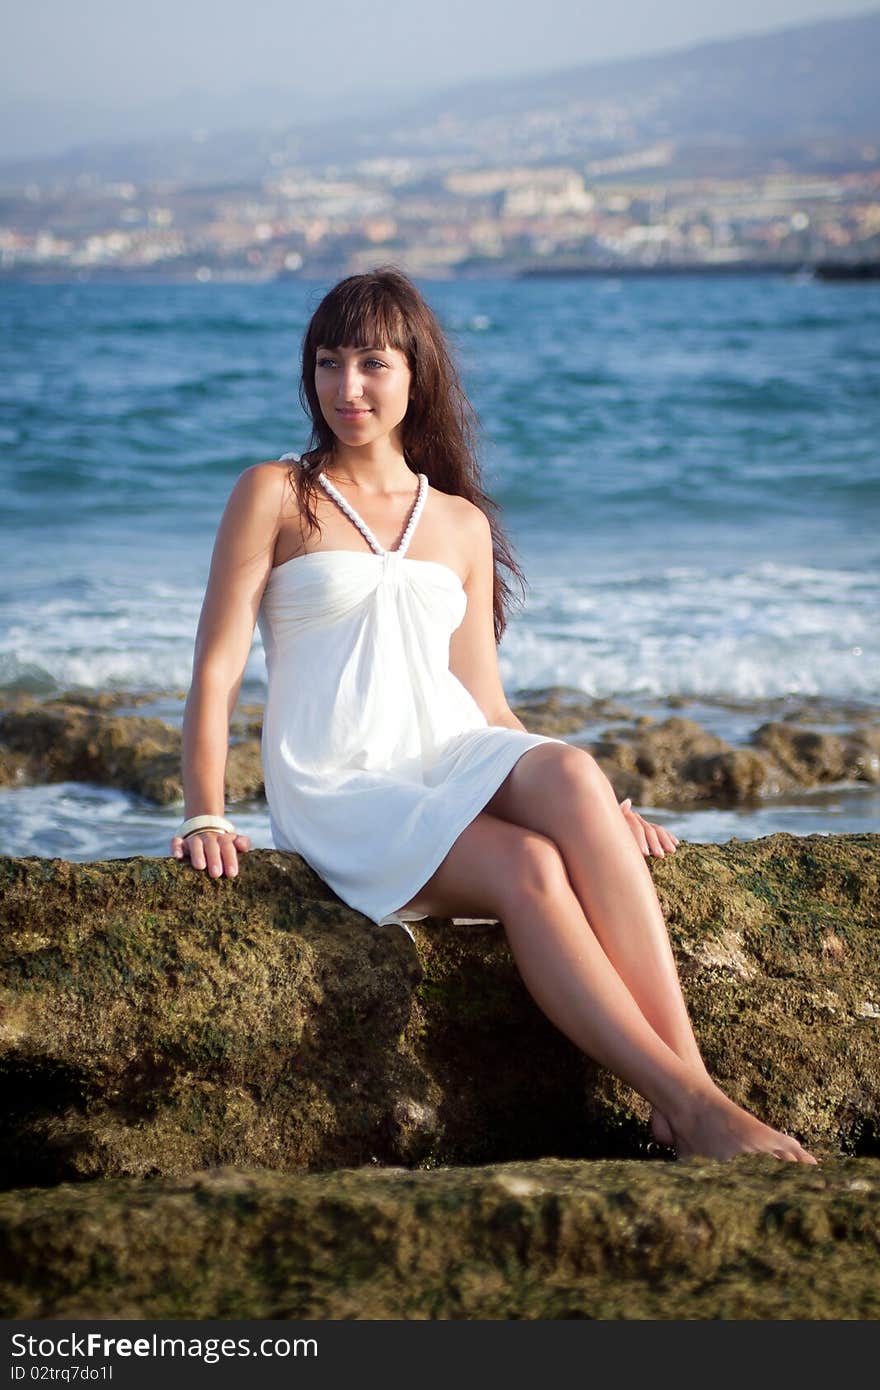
point(355, 350)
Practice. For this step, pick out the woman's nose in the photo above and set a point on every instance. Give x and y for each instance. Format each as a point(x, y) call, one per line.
point(351, 384)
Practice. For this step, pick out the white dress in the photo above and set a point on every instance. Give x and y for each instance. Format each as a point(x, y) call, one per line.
point(375, 756)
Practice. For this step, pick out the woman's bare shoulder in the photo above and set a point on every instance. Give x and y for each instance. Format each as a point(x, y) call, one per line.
point(271, 472)
point(467, 526)
point(469, 519)
point(269, 483)
point(458, 509)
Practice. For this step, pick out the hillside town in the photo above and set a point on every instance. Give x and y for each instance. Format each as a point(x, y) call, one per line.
point(603, 214)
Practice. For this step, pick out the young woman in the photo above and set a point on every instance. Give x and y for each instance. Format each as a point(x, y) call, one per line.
point(393, 763)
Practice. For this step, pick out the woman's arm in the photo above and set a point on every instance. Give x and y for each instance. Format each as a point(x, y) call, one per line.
point(473, 658)
point(473, 654)
point(240, 565)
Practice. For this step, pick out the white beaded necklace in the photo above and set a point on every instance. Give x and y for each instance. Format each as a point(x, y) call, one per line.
point(362, 526)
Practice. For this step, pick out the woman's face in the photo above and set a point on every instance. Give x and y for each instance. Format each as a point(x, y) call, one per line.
point(363, 391)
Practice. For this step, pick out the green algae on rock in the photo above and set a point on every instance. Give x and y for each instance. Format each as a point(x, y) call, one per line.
point(156, 1021)
point(750, 1239)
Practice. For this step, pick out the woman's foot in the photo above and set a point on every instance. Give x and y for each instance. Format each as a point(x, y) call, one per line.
point(713, 1126)
point(661, 1130)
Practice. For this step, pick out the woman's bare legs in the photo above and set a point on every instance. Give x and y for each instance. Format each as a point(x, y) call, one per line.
point(562, 793)
point(502, 870)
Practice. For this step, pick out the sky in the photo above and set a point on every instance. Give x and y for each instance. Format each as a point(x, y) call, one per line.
point(66, 63)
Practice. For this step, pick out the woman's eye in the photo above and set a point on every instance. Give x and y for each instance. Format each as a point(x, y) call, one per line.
point(329, 362)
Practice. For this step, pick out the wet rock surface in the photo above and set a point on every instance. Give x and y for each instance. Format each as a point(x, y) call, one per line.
point(809, 757)
point(677, 762)
point(670, 762)
point(559, 710)
point(86, 740)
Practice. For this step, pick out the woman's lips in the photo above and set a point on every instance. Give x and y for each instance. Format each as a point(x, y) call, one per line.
point(352, 414)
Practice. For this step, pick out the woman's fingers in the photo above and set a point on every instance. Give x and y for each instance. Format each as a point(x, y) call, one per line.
point(228, 855)
point(197, 846)
point(666, 841)
point(635, 824)
point(216, 853)
point(651, 839)
point(212, 852)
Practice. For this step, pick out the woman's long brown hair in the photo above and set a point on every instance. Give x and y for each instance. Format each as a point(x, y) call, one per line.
point(383, 307)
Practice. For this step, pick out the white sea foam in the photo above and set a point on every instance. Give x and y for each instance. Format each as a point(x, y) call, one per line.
point(107, 635)
point(78, 823)
point(764, 630)
point(69, 820)
point(767, 629)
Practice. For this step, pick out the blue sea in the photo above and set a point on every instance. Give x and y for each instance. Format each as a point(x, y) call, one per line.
point(689, 470)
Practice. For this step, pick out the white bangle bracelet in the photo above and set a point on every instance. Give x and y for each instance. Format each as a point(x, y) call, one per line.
point(205, 823)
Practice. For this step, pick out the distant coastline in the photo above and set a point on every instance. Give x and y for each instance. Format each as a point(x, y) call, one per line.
point(851, 271)
point(821, 270)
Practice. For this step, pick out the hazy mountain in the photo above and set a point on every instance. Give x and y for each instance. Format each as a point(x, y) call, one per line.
point(34, 129)
point(804, 96)
point(814, 77)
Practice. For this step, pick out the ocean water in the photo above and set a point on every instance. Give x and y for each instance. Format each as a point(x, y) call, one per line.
point(689, 471)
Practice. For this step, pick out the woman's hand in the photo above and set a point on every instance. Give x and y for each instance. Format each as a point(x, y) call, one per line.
point(651, 839)
point(213, 850)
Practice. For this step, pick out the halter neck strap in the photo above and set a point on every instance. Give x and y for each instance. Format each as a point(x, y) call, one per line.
point(348, 509)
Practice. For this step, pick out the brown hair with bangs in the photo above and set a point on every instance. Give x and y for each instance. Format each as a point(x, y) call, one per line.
point(383, 308)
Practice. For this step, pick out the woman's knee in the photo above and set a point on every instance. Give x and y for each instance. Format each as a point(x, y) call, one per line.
point(493, 864)
point(533, 867)
point(574, 775)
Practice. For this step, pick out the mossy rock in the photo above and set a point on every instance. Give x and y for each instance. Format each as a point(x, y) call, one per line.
point(750, 1239)
point(156, 1021)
